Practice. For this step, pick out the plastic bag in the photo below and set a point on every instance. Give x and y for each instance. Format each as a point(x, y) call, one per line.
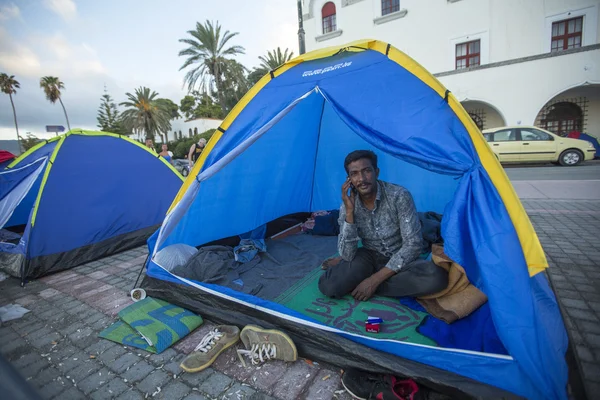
point(174, 255)
point(12, 311)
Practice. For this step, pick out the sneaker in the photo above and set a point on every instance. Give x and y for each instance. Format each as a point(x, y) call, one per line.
point(209, 348)
point(266, 344)
point(365, 386)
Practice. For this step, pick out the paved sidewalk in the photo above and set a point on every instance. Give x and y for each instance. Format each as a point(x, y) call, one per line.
point(548, 189)
point(57, 349)
point(569, 231)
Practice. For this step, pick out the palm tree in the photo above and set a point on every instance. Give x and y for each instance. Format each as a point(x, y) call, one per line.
point(145, 113)
point(275, 58)
point(52, 87)
point(9, 85)
point(271, 61)
point(209, 53)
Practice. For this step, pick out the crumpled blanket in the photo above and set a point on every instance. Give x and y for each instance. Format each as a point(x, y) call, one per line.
point(217, 264)
point(459, 299)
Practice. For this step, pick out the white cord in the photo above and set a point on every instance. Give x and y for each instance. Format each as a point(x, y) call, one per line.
point(208, 341)
point(259, 353)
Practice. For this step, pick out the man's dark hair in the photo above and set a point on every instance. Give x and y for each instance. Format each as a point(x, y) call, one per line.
point(357, 155)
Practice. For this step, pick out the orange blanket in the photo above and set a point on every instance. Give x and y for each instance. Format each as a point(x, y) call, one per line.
point(459, 299)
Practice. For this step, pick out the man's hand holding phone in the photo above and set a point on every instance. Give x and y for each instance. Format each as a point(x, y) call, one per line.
point(348, 197)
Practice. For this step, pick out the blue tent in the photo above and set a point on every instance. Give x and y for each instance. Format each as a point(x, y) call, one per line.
point(78, 197)
point(281, 151)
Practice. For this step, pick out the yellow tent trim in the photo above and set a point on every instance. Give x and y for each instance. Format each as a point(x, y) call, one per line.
point(31, 150)
point(127, 139)
point(45, 178)
point(532, 249)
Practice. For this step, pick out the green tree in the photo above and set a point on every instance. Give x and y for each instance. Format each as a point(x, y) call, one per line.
point(145, 114)
point(52, 87)
point(208, 54)
point(187, 106)
point(235, 83)
point(272, 60)
point(108, 117)
point(207, 108)
point(172, 107)
point(9, 86)
point(29, 141)
point(180, 148)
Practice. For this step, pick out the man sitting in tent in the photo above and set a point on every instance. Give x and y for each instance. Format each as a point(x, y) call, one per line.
point(383, 215)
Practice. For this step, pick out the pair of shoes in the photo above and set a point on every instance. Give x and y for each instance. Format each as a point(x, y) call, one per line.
point(365, 386)
point(261, 345)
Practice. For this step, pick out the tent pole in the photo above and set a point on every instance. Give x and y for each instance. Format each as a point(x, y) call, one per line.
point(140, 274)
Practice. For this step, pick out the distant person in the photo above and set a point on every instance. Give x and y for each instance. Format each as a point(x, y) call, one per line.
point(195, 151)
point(166, 154)
point(150, 144)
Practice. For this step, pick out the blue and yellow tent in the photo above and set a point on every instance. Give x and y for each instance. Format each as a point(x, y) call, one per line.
point(281, 150)
point(81, 196)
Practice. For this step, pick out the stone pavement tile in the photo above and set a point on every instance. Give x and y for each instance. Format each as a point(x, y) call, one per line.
point(72, 394)
point(102, 323)
point(187, 345)
point(239, 392)
point(588, 327)
point(34, 368)
point(27, 300)
point(593, 340)
point(137, 372)
point(45, 342)
point(66, 286)
point(101, 296)
point(48, 293)
point(46, 375)
point(155, 379)
point(54, 388)
point(121, 364)
point(195, 396)
point(83, 337)
point(582, 314)
point(113, 302)
point(55, 278)
point(110, 355)
point(95, 381)
point(162, 358)
point(26, 359)
point(85, 287)
point(110, 390)
point(215, 384)
point(585, 354)
point(131, 394)
point(295, 379)
point(261, 396)
point(324, 385)
point(173, 366)
point(229, 363)
point(174, 390)
point(195, 379)
point(99, 347)
point(568, 294)
point(591, 371)
point(267, 375)
point(79, 360)
point(99, 289)
point(98, 275)
point(63, 351)
point(81, 372)
point(93, 317)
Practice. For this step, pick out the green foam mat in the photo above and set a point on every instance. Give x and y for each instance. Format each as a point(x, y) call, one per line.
point(349, 315)
point(152, 325)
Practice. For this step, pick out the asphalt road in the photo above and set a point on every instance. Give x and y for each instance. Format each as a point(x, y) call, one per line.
point(589, 170)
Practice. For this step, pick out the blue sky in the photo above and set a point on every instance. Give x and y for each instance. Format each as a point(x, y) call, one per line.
point(123, 44)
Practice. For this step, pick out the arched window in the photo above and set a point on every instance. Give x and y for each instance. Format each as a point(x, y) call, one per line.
point(563, 117)
point(328, 13)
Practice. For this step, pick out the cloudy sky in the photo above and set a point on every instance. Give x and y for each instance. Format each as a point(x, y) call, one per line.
point(120, 44)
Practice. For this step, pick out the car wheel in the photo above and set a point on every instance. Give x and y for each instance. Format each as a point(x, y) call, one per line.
point(570, 158)
point(184, 172)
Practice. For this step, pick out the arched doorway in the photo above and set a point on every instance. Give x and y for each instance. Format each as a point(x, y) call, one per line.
point(563, 116)
point(483, 114)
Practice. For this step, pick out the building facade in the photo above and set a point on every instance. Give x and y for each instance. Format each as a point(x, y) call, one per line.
point(510, 62)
